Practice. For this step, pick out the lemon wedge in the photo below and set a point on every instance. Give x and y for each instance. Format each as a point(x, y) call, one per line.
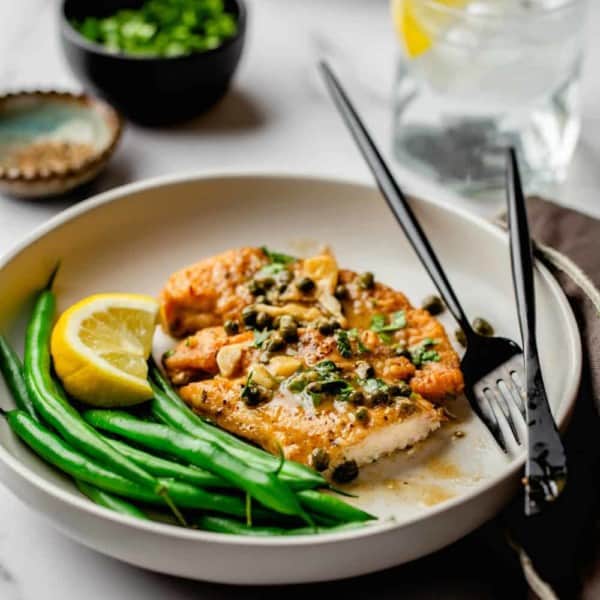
point(100, 346)
point(417, 22)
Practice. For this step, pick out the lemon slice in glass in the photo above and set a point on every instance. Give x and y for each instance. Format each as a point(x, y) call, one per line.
point(100, 347)
point(418, 22)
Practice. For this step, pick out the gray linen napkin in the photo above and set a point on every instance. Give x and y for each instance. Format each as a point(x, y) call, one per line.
point(563, 546)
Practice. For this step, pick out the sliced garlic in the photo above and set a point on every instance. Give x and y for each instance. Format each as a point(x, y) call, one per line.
point(229, 358)
point(332, 305)
point(284, 366)
point(298, 311)
point(261, 376)
point(323, 270)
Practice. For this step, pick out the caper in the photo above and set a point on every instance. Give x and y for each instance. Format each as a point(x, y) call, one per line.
point(461, 338)
point(364, 370)
point(290, 334)
point(255, 288)
point(341, 292)
point(267, 283)
point(305, 285)
point(325, 327)
point(288, 328)
point(433, 305)
point(362, 414)
point(231, 327)
point(319, 459)
point(482, 327)
point(356, 397)
point(274, 343)
point(366, 280)
point(345, 472)
point(400, 389)
point(263, 320)
point(252, 395)
point(378, 397)
point(249, 316)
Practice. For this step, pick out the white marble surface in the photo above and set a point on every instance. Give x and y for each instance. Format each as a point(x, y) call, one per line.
point(276, 118)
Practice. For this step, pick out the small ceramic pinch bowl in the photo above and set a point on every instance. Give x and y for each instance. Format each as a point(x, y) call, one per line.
point(51, 142)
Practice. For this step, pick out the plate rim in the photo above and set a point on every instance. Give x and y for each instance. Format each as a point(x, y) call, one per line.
point(385, 526)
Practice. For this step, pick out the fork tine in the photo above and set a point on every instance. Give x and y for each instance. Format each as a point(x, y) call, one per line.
point(489, 418)
point(515, 392)
point(500, 398)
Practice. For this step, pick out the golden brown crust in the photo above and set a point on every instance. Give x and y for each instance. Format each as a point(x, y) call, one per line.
point(213, 368)
point(288, 426)
point(209, 292)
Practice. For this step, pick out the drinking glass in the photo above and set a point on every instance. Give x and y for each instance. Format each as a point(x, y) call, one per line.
point(478, 75)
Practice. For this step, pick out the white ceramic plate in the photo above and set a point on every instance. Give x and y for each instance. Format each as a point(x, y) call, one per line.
point(132, 238)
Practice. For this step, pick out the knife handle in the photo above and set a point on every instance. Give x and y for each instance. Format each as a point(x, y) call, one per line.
point(546, 465)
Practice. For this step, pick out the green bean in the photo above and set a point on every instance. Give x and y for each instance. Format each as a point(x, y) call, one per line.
point(264, 487)
point(330, 506)
point(109, 501)
point(12, 371)
point(59, 453)
point(231, 526)
point(168, 407)
point(160, 467)
point(51, 403)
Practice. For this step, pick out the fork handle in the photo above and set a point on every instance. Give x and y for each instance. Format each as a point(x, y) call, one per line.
point(395, 199)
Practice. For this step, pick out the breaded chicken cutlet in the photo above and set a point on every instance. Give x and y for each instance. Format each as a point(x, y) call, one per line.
point(330, 366)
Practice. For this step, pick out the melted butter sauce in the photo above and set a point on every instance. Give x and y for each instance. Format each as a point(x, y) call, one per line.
point(292, 400)
point(442, 468)
point(427, 494)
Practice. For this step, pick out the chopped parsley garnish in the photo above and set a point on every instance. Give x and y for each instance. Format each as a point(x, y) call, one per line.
point(372, 385)
point(297, 383)
point(247, 389)
point(322, 380)
point(354, 335)
point(260, 337)
point(383, 329)
point(424, 352)
point(343, 343)
point(338, 387)
point(397, 321)
point(278, 257)
point(330, 381)
point(326, 367)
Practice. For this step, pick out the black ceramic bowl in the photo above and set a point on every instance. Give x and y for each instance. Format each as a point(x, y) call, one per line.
point(150, 90)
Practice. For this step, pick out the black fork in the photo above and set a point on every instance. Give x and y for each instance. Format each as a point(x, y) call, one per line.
point(492, 366)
